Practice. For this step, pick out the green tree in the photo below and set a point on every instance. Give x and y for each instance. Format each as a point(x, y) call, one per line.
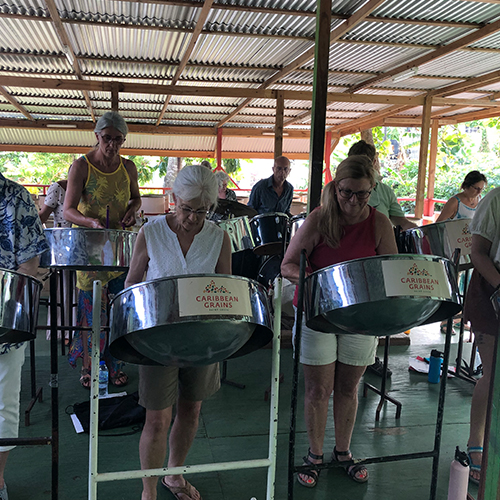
point(12, 159)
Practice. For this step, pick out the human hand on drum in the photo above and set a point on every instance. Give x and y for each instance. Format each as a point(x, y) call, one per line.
point(495, 300)
point(129, 217)
point(94, 224)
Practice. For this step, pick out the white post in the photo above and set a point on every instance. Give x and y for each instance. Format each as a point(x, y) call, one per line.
point(94, 389)
point(275, 383)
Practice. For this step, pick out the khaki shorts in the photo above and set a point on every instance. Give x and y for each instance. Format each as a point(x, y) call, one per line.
point(319, 349)
point(159, 386)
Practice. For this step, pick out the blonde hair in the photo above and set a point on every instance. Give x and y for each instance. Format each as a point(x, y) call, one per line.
point(330, 216)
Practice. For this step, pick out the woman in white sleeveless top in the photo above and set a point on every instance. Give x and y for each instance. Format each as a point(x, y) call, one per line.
point(463, 205)
point(181, 243)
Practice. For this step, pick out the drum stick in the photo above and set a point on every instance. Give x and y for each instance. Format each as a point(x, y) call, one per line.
point(107, 216)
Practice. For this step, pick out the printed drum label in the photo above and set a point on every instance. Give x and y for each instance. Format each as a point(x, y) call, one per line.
point(459, 235)
point(213, 295)
point(420, 278)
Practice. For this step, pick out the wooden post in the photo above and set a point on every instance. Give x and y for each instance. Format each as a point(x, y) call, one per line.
point(218, 152)
point(278, 126)
point(422, 161)
point(429, 204)
point(319, 102)
point(328, 152)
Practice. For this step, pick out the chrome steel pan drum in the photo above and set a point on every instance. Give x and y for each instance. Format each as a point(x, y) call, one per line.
point(88, 249)
point(239, 233)
point(295, 222)
point(381, 295)
point(189, 320)
point(442, 238)
point(19, 296)
point(269, 231)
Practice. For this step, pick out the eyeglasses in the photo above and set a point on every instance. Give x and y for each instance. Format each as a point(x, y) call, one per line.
point(198, 213)
point(477, 188)
point(119, 139)
point(360, 195)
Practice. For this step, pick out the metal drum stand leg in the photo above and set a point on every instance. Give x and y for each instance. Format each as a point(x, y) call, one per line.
point(382, 392)
point(434, 453)
point(269, 463)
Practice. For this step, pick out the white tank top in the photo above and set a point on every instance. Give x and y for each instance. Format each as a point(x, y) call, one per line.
point(165, 252)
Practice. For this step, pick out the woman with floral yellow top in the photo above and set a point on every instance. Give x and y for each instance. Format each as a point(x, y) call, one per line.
point(96, 181)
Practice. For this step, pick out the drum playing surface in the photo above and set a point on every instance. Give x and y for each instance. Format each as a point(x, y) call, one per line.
point(382, 295)
point(189, 320)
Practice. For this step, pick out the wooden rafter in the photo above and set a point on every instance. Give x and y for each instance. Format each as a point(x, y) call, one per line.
point(471, 84)
point(440, 52)
point(335, 34)
point(207, 5)
point(15, 103)
point(58, 26)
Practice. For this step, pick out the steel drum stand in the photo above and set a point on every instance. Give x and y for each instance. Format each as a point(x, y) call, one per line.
point(434, 453)
point(54, 384)
point(269, 463)
point(382, 392)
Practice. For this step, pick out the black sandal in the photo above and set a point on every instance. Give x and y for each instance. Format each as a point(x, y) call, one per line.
point(358, 472)
point(313, 474)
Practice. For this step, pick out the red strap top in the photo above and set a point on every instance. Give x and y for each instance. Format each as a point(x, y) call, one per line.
point(358, 242)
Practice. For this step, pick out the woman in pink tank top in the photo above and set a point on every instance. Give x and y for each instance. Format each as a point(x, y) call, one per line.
point(343, 228)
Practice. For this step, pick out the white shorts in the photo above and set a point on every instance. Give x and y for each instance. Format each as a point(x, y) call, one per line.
point(11, 364)
point(325, 348)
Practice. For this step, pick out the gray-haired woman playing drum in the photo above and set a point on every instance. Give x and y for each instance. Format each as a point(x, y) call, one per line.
point(343, 228)
point(181, 243)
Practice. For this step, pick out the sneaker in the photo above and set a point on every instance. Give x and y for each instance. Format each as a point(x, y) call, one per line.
point(3, 493)
point(378, 367)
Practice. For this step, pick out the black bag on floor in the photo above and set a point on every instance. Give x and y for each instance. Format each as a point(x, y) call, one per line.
point(113, 412)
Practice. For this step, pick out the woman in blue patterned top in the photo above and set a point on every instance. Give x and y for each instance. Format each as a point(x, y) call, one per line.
point(21, 242)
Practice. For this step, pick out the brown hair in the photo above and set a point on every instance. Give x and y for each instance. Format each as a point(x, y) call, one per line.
point(472, 177)
point(363, 148)
point(330, 224)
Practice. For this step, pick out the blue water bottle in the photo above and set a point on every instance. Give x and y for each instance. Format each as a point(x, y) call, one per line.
point(435, 362)
point(103, 379)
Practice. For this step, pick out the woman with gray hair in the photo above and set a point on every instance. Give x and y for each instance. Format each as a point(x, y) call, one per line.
point(102, 192)
point(194, 245)
point(224, 192)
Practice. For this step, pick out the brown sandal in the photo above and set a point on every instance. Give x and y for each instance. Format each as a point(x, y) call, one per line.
point(85, 378)
point(187, 489)
point(119, 379)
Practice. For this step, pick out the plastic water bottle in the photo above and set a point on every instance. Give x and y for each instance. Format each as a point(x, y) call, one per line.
point(435, 362)
point(103, 379)
point(459, 476)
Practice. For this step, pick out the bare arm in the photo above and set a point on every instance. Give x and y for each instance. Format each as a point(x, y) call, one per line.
point(482, 262)
point(76, 182)
point(307, 237)
point(384, 236)
point(224, 263)
point(29, 267)
point(135, 197)
point(449, 211)
point(45, 213)
point(403, 222)
point(139, 262)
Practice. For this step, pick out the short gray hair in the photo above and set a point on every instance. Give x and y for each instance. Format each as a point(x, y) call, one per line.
point(221, 178)
point(111, 119)
point(195, 181)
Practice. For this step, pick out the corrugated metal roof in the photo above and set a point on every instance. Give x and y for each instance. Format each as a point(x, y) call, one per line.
point(240, 47)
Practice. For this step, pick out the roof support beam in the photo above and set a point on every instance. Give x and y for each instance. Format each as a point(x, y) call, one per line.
point(472, 83)
point(63, 37)
point(15, 103)
point(422, 159)
point(429, 206)
point(207, 5)
point(278, 127)
point(440, 52)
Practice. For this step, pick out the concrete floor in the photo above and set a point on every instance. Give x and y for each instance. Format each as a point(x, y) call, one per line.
point(234, 426)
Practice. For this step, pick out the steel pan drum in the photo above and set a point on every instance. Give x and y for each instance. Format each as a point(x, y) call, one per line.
point(239, 233)
point(86, 249)
point(295, 222)
point(442, 238)
point(19, 296)
point(189, 320)
point(269, 231)
point(381, 295)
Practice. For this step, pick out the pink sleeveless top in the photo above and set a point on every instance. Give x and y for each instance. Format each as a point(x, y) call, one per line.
point(358, 242)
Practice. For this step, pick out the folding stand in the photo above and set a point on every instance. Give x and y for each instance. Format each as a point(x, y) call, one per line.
point(269, 463)
point(381, 392)
point(434, 453)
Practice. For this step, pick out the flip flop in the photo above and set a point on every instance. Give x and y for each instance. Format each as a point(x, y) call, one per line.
point(85, 379)
point(188, 489)
point(119, 379)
